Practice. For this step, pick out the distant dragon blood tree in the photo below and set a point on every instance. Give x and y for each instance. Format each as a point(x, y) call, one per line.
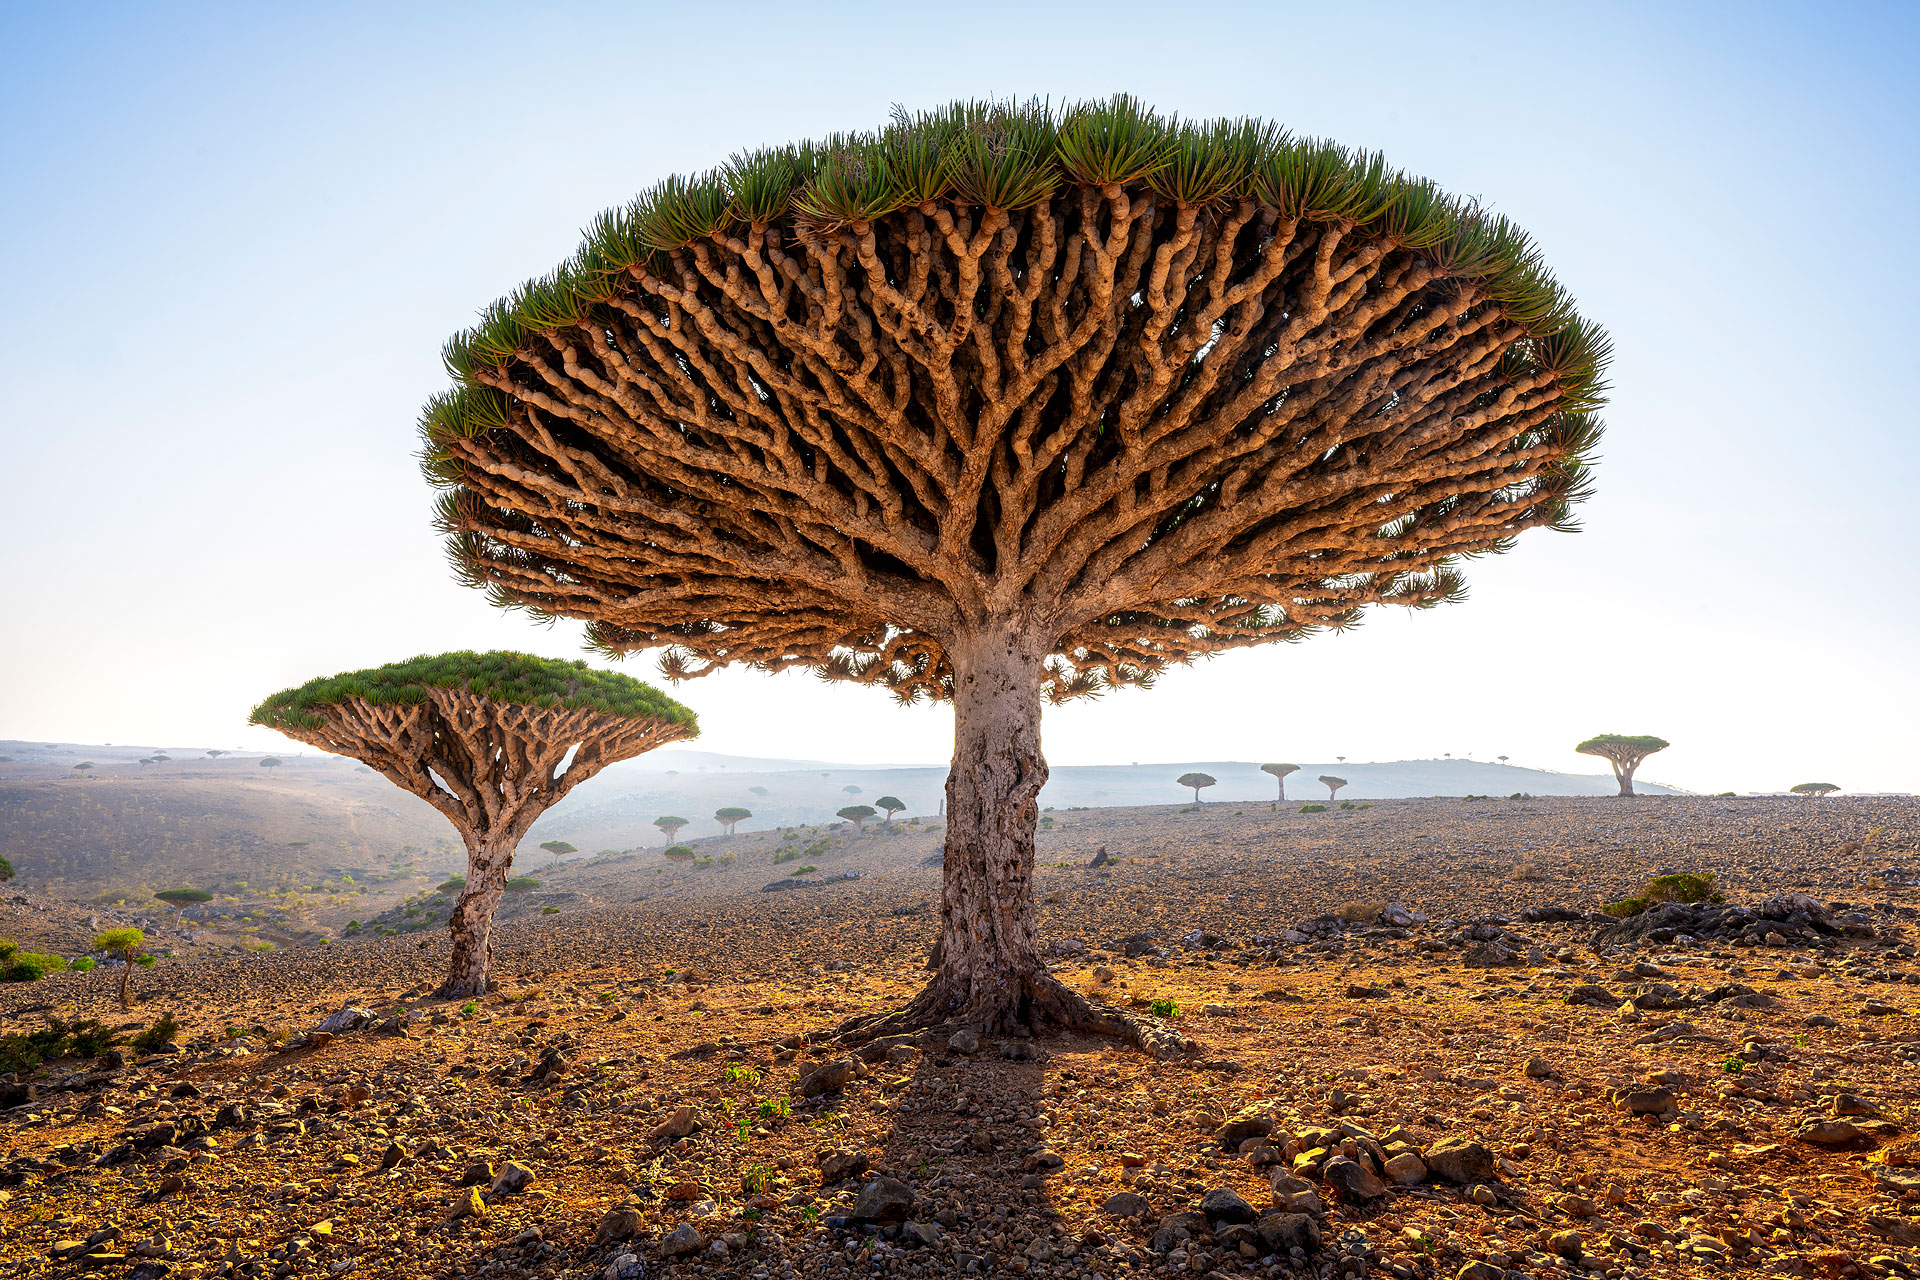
point(1004, 404)
point(1196, 781)
point(890, 805)
point(491, 740)
point(731, 816)
point(1815, 789)
point(181, 899)
point(1280, 772)
point(1624, 753)
point(669, 825)
point(1332, 784)
point(857, 814)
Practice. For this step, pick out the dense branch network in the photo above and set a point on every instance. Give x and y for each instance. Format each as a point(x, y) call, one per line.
point(491, 768)
point(1146, 429)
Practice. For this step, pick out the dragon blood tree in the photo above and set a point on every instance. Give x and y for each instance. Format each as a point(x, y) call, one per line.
point(491, 740)
point(1004, 404)
point(1332, 784)
point(1279, 773)
point(1196, 781)
point(1624, 752)
point(1814, 789)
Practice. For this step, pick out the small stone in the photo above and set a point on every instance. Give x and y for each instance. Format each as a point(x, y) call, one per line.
point(1577, 1206)
point(1126, 1204)
point(1538, 1069)
point(479, 1172)
point(1648, 1102)
point(1224, 1204)
point(883, 1200)
point(681, 1241)
point(1250, 1123)
point(1847, 1104)
point(468, 1205)
point(964, 1041)
point(393, 1157)
point(1280, 1231)
point(622, 1222)
point(174, 1184)
point(1480, 1271)
point(1482, 1194)
point(530, 1235)
point(1353, 1180)
point(838, 1166)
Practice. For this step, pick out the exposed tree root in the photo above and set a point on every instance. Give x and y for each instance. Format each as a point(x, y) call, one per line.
point(1044, 1004)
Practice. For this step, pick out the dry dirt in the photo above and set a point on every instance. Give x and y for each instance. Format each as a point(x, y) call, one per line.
point(651, 991)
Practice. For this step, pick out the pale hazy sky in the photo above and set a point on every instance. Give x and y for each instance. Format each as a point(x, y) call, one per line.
point(234, 239)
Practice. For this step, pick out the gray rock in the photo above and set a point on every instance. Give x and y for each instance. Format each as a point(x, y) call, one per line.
point(1648, 1102)
point(511, 1177)
point(622, 1222)
point(964, 1041)
point(1353, 1180)
point(838, 1166)
point(1248, 1124)
point(1407, 1169)
point(919, 1235)
point(627, 1266)
point(678, 1124)
point(350, 1018)
point(1282, 1231)
point(1830, 1133)
point(883, 1200)
point(1224, 1204)
point(1459, 1158)
point(830, 1077)
point(1126, 1204)
point(681, 1241)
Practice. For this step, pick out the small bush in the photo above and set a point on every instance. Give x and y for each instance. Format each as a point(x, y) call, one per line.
point(1163, 1008)
point(678, 852)
point(750, 1074)
point(1733, 1064)
point(84, 964)
point(1526, 869)
point(25, 967)
point(549, 911)
point(1681, 887)
point(702, 862)
point(1361, 912)
point(157, 1036)
point(1627, 907)
point(801, 871)
point(1313, 808)
point(7, 947)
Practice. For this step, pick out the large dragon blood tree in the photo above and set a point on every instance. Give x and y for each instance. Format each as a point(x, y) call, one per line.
point(491, 740)
point(1003, 405)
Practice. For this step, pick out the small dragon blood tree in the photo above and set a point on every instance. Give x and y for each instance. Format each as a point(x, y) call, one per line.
point(1814, 789)
point(491, 740)
point(1332, 784)
point(1196, 781)
point(1280, 772)
point(1624, 753)
point(1007, 404)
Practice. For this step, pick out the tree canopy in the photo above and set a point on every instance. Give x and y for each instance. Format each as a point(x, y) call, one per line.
point(1814, 788)
point(1279, 770)
point(1178, 386)
point(1622, 744)
point(183, 898)
point(892, 804)
point(502, 677)
point(558, 848)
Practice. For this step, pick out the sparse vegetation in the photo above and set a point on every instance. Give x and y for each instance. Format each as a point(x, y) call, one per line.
point(1678, 887)
point(1814, 789)
point(124, 943)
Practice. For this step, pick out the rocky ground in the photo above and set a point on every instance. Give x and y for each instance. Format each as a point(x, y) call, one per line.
point(1416, 1051)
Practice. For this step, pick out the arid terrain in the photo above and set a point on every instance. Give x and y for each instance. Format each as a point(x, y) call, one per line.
point(1416, 1050)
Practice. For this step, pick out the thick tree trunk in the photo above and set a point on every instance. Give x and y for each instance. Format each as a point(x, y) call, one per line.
point(471, 924)
point(1283, 789)
point(1624, 772)
point(990, 975)
point(989, 946)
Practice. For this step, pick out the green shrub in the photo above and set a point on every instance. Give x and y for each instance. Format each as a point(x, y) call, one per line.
point(1680, 887)
point(801, 871)
point(1313, 808)
point(1733, 1064)
point(703, 862)
point(678, 852)
point(84, 964)
point(549, 911)
point(7, 947)
point(1163, 1008)
point(158, 1035)
point(25, 967)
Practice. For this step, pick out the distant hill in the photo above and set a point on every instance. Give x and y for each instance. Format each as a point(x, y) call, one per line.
point(320, 839)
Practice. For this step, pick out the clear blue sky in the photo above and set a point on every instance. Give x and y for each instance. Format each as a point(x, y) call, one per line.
point(235, 237)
